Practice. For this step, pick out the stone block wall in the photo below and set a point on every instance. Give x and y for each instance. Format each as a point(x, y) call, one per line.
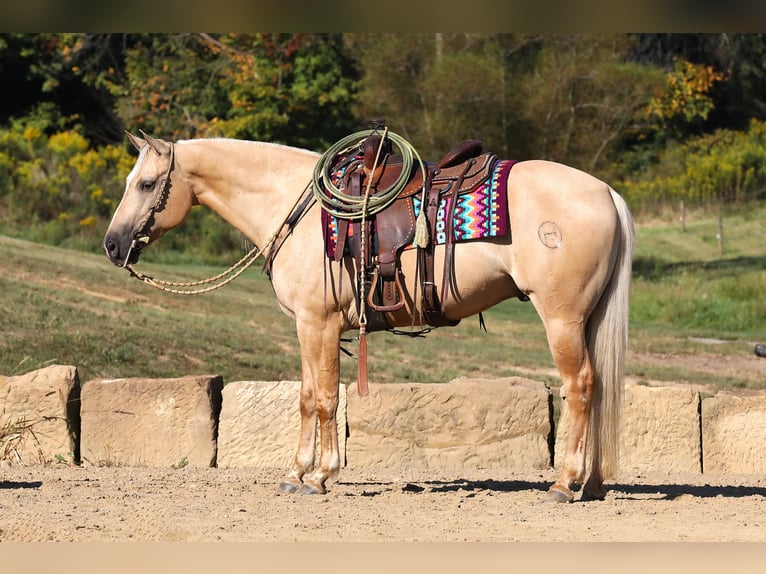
point(461, 424)
point(48, 417)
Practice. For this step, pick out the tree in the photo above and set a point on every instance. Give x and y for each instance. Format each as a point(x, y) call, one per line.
point(685, 100)
point(741, 95)
point(68, 71)
point(170, 86)
point(565, 98)
point(296, 89)
point(436, 89)
point(584, 97)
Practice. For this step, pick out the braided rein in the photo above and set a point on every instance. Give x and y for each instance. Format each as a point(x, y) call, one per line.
point(226, 277)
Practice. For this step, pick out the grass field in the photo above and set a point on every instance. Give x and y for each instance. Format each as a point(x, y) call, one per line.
point(68, 307)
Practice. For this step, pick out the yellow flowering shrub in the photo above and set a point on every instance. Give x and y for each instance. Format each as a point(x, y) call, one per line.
point(67, 143)
point(723, 167)
point(57, 188)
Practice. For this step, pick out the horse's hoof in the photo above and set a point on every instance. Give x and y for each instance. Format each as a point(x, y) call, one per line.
point(309, 488)
point(593, 493)
point(288, 487)
point(558, 494)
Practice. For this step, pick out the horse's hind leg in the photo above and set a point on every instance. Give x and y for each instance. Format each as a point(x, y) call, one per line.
point(568, 347)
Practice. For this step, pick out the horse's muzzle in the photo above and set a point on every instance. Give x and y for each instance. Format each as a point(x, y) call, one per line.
point(121, 253)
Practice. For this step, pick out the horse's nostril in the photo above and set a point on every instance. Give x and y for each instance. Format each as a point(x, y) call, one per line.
point(111, 248)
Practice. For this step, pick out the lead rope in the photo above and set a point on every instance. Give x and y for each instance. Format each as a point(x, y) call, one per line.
point(361, 383)
point(233, 272)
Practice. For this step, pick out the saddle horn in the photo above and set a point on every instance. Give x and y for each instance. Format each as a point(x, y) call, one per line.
point(160, 146)
point(137, 142)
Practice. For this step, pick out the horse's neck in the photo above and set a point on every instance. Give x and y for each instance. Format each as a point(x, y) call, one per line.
point(249, 184)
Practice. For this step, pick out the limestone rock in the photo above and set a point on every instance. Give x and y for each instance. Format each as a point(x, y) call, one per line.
point(40, 416)
point(660, 429)
point(734, 432)
point(463, 424)
point(260, 424)
point(151, 422)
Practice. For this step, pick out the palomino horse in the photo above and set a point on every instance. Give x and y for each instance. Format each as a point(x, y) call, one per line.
point(570, 254)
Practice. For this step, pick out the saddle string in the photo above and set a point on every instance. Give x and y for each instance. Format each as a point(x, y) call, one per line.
point(362, 354)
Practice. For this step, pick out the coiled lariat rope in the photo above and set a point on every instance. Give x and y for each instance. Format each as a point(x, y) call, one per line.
point(338, 203)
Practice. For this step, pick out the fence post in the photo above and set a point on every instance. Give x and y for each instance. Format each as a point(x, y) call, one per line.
point(682, 217)
point(720, 234)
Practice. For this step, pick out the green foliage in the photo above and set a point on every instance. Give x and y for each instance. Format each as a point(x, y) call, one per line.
point(723, 167)
point(584, 98)
point(295, 89)
point(607, 103)
point(169, 89)
point(436, 89)
point(568, 98)
point(685, 99)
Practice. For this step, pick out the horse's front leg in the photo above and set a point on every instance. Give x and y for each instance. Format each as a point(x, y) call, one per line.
point(320, 362)
point(304, 457)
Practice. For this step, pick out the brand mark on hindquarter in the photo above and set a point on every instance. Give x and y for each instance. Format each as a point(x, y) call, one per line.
point(549, 235)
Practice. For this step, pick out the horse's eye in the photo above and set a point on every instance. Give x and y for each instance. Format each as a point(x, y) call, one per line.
point(147, 185)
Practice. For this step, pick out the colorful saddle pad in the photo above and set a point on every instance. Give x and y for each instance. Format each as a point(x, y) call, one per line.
point(479, 214)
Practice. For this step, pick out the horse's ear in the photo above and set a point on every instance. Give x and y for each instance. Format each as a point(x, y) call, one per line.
point(137, 142)
point(160, 146)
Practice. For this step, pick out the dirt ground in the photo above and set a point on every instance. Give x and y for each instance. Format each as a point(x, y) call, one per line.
point(121, 504)
point(149, 504)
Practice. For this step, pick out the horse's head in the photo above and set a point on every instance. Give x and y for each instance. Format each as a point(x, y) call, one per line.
point(156, 200)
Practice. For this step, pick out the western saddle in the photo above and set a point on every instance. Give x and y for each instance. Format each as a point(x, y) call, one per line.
point(392, 229)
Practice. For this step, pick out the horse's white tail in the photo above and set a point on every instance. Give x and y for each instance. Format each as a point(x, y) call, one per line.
point(607, 339)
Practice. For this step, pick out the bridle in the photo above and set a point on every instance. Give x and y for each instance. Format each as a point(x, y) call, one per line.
point(140, 235)
point(141, 238)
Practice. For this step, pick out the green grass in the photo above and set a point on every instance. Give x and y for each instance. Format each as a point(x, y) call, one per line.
point(684, 284)
point(68, 307)
point(686, 291)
